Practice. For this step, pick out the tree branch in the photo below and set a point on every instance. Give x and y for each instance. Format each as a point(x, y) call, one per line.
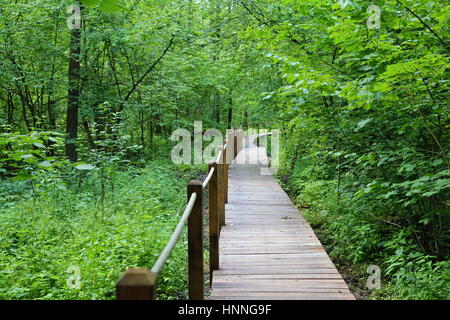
point(425, 25)
point(149, 69)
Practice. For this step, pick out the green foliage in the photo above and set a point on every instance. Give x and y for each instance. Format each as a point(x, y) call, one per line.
point(22, 155)
point(103, 221)
point(364, 116)
point(365, 122)
point(416, 275)
point(106, 5)
point(356, 233)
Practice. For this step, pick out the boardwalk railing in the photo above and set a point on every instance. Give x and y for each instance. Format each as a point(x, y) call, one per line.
point(141, 283)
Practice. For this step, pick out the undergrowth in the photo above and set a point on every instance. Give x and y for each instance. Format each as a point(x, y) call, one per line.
point(355, 236)
point(108, 220)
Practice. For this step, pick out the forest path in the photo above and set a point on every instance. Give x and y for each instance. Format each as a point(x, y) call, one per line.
point(267, 249)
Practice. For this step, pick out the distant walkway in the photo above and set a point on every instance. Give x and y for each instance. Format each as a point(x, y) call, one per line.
point(267, 249)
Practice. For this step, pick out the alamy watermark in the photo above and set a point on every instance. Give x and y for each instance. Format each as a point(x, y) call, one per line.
point(258, 142)
point(74, 279)
point(374, 280)
point(374, 21)
point(74, 21)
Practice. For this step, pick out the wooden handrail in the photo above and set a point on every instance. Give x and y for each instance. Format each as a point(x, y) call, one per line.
point(209, 177)
point(159, 264)
point(141, 283)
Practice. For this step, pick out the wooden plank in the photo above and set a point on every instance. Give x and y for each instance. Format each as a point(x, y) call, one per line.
point(271, 277)
point(278, 256)
point(284, 296)
point(280, 245)
point(245, 282)
point(230, 251)
point(254, 243)
point(271, 270)
point(267, 249)
point(268, 235)
point(282, 264)
point(271, 286)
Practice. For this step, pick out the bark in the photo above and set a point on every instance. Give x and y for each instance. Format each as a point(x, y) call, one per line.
point(88, 132)
point(230, 113)
point(73, 100)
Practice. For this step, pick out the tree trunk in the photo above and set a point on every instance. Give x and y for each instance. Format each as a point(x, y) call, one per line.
point(88, 132)
point(10, 100)
point(73, 94)
point(152, 134)
point(245, 119)
point(230, 112)
point(142, 125)
point(217, 106)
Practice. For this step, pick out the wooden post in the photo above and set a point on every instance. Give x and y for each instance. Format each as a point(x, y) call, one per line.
point(220, 189)
point(195, 242)
point(239, 137)
point(238, 141)
point(225, 174)
point(213, 208)
point(235, 137)
point(136, 284)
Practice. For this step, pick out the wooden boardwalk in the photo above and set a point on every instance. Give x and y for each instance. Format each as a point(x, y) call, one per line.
point(267, 249)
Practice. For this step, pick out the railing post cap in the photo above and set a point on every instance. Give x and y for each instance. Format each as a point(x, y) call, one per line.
point(136, 284)
point(195, 183)
point(136, 277)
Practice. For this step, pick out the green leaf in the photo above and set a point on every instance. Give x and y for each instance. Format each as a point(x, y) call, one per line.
point(111, 5)
point(105, 5)
point(45, 164)
point(90, 3)
point(362, 124)
point(39, 145)
point(84, 167)
point(22, 177)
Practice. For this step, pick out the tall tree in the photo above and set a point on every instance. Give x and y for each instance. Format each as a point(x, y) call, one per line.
point(74, 90)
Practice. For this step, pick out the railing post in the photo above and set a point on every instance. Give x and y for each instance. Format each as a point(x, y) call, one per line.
point(195, 242)
point(240, 140)
point(136, 284)
point(220, 187)
point(213, 208)
point(225, 169)
point(235, 144)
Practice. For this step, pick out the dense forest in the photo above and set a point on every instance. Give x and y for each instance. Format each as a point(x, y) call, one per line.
point(91, 91)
